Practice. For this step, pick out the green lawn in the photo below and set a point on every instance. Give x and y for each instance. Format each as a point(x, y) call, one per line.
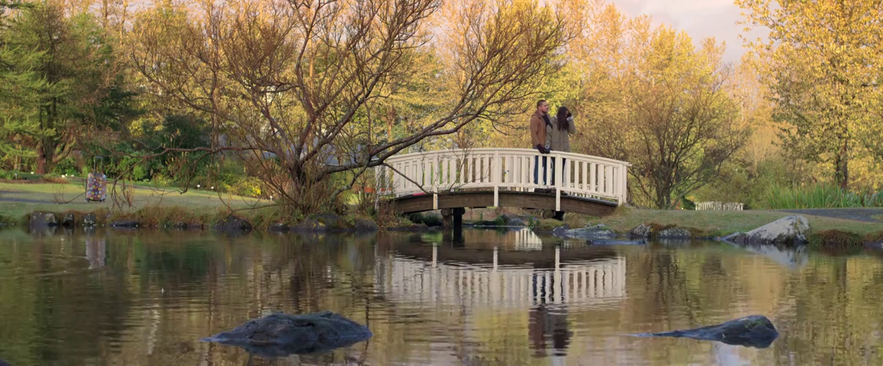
point(713, 223)
point(719, 222)
point(17, 200)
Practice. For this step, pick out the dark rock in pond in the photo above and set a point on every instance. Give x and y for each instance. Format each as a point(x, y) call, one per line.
point(233, 223)
point(674, 233)
point(3, 363)
point(279, 335)
point(125, 224)
point(39, 220)
point(751, 331)
point(334, 223)
point(641, 231)
point(89, 220)
point(68, 220)
point(366, 226)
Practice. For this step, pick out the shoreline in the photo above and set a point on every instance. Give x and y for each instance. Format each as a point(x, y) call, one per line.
point(652, 225)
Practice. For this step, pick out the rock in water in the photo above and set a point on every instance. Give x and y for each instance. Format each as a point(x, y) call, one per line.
point(279, 335)
point(751, 331)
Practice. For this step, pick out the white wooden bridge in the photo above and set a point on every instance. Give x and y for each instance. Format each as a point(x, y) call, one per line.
point(434, 180)
point(591, 282)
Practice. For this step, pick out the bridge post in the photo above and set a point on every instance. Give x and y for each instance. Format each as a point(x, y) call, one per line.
point(452, 218)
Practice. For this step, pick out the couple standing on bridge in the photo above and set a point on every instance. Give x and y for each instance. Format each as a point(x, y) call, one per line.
point(548, 133)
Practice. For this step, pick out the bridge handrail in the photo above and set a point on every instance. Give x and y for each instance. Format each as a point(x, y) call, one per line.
point(459, 152)
point(504, 168)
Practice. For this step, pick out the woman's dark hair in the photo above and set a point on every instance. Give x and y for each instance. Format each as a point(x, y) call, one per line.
point(563, 123)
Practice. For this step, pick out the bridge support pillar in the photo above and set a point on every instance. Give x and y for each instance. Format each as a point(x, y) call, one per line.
point(452, 223)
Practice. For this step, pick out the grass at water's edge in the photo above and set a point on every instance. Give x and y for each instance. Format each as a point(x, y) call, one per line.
point(700, 223)
point(159, 208)
point(18, 200)
point(713, 223)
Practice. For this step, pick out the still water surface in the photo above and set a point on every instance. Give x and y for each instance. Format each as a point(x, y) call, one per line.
point(499, 298)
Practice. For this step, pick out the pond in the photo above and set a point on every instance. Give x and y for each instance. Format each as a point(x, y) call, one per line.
point(497, 298)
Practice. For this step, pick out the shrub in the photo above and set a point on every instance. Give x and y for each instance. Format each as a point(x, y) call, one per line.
point(66, 166)
point(247, 186)
point(426, 219)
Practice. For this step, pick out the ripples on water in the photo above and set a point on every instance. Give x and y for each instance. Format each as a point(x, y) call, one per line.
point(500, 298)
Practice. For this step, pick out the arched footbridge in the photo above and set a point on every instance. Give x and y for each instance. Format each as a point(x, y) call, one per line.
point(520, 178)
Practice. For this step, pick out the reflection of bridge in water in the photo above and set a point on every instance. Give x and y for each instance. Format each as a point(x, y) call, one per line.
point(593, 281)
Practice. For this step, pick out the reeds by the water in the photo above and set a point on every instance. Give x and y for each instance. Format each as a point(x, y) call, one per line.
point(822, 195)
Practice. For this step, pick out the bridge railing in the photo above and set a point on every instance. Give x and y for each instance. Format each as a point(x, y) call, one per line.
point(441, 171)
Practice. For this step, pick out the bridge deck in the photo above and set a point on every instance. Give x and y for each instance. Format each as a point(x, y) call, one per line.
point(528, 200)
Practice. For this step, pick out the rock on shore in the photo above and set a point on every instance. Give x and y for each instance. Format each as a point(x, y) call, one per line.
point(789, 230)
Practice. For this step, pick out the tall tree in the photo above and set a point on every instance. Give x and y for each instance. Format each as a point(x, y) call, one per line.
point(822, 68)
point(65, 72)
point(650, 97)
point(294, 81)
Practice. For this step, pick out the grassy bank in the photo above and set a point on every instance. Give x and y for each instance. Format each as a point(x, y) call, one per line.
point(158, 207)
point(706, 223)
point(18, 200)
point(151, 207)
point(718, 223)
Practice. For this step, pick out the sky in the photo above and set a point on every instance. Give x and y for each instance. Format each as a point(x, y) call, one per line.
point(699, 18)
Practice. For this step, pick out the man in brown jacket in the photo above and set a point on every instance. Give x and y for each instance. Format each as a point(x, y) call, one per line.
point(538, 124)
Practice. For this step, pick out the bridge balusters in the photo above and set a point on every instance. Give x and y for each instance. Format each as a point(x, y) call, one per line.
point(486, 169)
point(433, 167)
point(452, 172)
point(397, 178)
point(608, 171)
point(476, 171)
point(407, 168)
point(484, 175)
point(471, 172)
point(501, 169)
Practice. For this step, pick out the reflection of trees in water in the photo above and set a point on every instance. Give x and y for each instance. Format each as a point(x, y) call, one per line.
point(58, 309)
point(147, 305)
point(836, 311)
point(156, 292)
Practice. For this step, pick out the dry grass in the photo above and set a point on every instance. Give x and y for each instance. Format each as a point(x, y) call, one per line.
point(836, 241)
point(874, 237)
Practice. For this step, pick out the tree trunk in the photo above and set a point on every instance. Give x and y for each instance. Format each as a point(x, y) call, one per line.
point(841, 165)
point(45, 156)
